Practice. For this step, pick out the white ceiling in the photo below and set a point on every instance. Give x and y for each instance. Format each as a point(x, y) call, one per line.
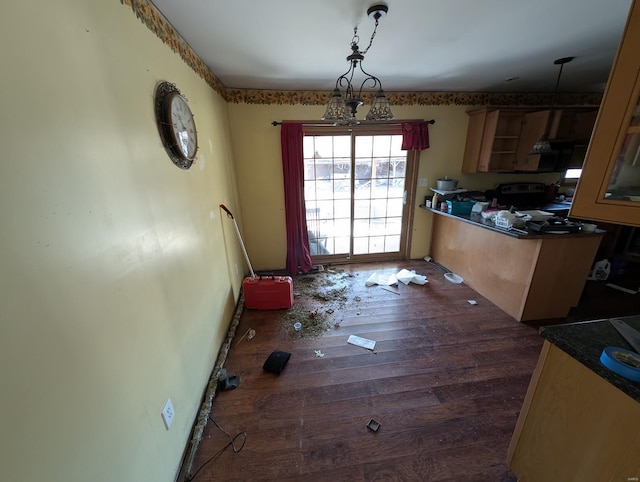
point(421, 45)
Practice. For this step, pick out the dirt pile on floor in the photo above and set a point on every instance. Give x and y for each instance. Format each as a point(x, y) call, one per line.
point(318, 299)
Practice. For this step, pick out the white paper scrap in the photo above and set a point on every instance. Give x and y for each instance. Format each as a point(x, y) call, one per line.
point(472, 302)
point(319, 353)
point(363, 342)
point(376, 279)
point(407, 277)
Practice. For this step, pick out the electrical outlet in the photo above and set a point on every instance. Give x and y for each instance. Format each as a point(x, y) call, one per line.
point(168, 413)
point(423, 182)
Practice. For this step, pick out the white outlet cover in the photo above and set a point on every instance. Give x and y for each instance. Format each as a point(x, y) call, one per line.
point(168, 413)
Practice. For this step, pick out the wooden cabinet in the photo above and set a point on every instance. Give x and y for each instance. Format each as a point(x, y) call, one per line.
point(492, 139)
point(534, 125)
point(609, 188)
point(499, 140)
point(574, 425)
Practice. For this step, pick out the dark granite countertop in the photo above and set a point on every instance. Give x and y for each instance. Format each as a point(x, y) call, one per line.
point(476, 219)
point(585, 341)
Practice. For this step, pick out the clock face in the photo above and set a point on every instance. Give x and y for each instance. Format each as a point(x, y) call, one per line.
point(183, 127)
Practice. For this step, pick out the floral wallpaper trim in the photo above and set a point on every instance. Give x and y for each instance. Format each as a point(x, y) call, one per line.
point(147, 12)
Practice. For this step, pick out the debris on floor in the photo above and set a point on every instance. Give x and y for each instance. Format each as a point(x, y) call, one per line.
point(391, 289)
point(621, 288)
point(319, 299)
point(373, 425)
point(249, 334)
point(362, 342)
point(319, 353)
point(406, 277)
point(382, 280)
point(472, 302)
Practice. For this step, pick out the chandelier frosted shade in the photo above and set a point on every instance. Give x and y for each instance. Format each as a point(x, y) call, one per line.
point(541, 147)
point(336, 109)
point(380, 109)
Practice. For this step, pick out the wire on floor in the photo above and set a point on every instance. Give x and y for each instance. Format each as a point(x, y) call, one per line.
point(232, 444)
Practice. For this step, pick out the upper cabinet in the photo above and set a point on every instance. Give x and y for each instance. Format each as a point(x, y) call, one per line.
point(609, 187)
point(499, 140)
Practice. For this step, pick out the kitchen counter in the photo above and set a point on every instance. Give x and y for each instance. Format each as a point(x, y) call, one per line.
point(579, 421)
point(585, 341)
point(477, 219)
point(533, 276)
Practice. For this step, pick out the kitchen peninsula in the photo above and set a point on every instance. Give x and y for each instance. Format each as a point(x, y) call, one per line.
point(579, 420)
point(531, 276)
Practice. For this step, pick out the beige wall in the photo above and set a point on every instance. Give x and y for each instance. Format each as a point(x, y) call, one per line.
point(118, 271)
point(256, 144)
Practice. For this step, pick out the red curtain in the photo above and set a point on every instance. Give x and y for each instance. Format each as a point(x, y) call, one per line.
point(298, 256)
point(415, 136)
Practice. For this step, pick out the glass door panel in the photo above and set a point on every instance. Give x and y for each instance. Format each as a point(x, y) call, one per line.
point(624, 183)
point(354, 194)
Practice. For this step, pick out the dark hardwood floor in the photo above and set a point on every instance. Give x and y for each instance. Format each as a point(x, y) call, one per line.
point(446, 382)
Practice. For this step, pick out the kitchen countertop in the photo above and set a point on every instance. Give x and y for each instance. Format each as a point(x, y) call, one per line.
point(477, 219)
point(584, 341)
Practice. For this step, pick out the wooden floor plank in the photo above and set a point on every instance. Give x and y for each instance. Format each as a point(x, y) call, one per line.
point(446, 382)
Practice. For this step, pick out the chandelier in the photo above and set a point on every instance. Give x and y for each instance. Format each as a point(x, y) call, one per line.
point(342, 109)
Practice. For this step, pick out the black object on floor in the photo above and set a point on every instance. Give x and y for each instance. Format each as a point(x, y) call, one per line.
point(276, 362)
point(226, 382)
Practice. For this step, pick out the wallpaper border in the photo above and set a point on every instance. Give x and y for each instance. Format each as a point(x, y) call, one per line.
point(150, 16)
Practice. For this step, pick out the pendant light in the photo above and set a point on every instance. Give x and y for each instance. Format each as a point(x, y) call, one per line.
point(342, 109)
point(543, 146)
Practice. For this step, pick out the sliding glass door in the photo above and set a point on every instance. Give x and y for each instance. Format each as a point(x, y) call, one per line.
point(355, 195)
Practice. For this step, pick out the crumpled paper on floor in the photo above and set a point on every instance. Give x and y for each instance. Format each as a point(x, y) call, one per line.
point(382, 280)
point(407, 277)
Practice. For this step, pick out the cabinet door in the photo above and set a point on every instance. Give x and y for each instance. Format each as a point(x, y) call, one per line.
point(609, 188)
point(534, 127)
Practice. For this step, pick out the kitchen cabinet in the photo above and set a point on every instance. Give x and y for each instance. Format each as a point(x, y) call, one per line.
point(609, 187)
point(492, 139)
point(499, 140)
point(534, 125)
point(579, 421)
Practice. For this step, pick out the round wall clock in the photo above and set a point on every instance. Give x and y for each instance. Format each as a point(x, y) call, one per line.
point(176, 125)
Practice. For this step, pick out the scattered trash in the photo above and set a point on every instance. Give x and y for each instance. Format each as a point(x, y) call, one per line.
point(391, 290)
point(472, 302)
point(318, 353)
point(362, 342)
point(382, 280)
point(601, 270)
point(620, 288)
point(373, 425)
point(297, 326)
point(330, 311)
point(427, 258)
point(249, 334)
point(453, 278)
point(407, 277)
point(357, 299)
point(227, 382)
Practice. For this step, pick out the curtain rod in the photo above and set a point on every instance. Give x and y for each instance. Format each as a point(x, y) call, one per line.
point(309, 124)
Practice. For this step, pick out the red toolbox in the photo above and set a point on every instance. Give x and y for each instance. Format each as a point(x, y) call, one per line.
point(263, 292)
point(268, 292)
